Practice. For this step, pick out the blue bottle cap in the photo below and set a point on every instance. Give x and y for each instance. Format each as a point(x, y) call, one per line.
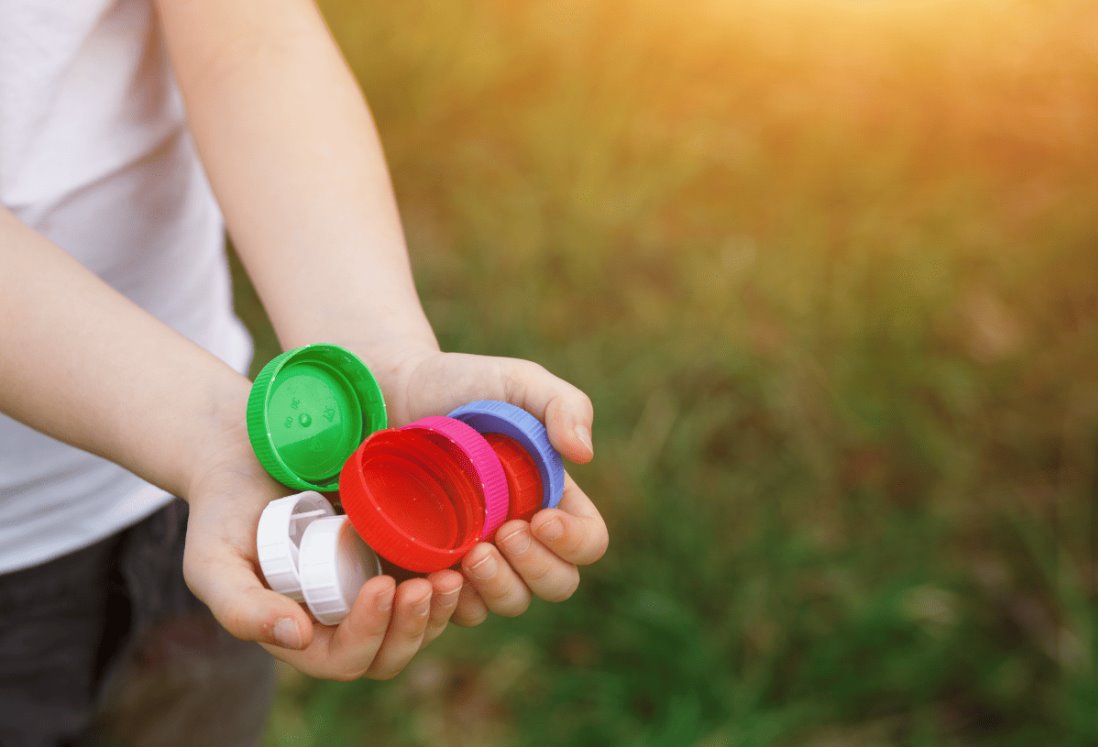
point(493, 416)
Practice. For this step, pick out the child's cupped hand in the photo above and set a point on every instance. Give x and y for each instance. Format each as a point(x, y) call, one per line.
point(390, 622)
point(536, 558)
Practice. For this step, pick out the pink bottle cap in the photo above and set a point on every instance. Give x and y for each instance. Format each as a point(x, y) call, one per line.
point(481, 461)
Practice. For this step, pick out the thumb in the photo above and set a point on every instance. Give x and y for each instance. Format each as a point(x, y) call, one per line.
point(447, 380)
point(566, 411)
point(230, 588)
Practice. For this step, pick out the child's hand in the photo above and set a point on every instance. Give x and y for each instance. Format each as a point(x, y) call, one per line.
point(388, 624)
point(538, 558)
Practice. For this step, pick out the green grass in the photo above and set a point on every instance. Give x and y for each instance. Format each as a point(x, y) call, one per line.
point(829, 272)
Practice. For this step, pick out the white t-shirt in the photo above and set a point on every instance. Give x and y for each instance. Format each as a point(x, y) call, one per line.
point(94, 154)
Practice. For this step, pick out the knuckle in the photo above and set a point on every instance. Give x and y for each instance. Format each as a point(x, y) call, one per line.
point(577, 543)
point(530, 368)
point(440, 617)
point(385, 674)
point(514, 609)
point(516, 377)
point(413, 633)
point(471, 619)
point(510, 370)
point(375, 629)
point(599, 547)
point(235, 620)
point(539, 573)
point(433, 631)
point(586, 400)
point(562, 588)
point(511, 602)
point(564, 591)
point(448, 602)
point(500, 593)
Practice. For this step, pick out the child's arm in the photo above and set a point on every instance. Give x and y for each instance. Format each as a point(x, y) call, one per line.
point(293, 157)
point(83, 364)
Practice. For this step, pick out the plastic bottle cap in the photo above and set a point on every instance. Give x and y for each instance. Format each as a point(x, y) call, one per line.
point(308, 410)
point(493, 416)
point(523, 478)
point(482, 462)
point(411, 498)
point(281, 526)
point(335, 563)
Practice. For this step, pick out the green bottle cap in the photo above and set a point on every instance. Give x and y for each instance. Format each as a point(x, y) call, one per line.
point(308, 411)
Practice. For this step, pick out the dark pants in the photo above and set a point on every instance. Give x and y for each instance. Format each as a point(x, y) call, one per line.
point(107, 646)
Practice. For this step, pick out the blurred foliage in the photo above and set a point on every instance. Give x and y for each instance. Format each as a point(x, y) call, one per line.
point(829, 271)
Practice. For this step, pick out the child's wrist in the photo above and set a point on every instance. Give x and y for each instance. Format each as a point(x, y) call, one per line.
point(392, 360)
point(222, 435)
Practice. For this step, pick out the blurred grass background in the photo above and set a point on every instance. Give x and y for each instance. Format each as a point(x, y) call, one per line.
point(829, 271)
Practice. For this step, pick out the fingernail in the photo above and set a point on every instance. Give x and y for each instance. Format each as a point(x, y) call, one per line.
point(423, 606)
point(484, 569)
point(286, 633)
point(584, 435)
point(517, 542)
point(551, 530)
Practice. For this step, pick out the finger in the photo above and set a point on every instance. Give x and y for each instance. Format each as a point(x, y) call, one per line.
point(411, 610)
point(566, 411)
point(228, 584)
point(357, 639)
point(544, 572)
point(575, 530)
point(345, 652)
point(446, 590)
point(471, 610)
point(497, 583)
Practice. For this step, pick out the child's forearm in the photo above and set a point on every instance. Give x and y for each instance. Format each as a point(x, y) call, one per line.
point(293, 156)
point(83, 364)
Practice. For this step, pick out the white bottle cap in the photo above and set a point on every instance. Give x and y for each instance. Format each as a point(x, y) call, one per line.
point(281, 527)
point(335, 563)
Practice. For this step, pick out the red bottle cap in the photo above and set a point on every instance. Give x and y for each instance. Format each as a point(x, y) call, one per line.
point(523, 477)
point(480, 460)
point(412, 499)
